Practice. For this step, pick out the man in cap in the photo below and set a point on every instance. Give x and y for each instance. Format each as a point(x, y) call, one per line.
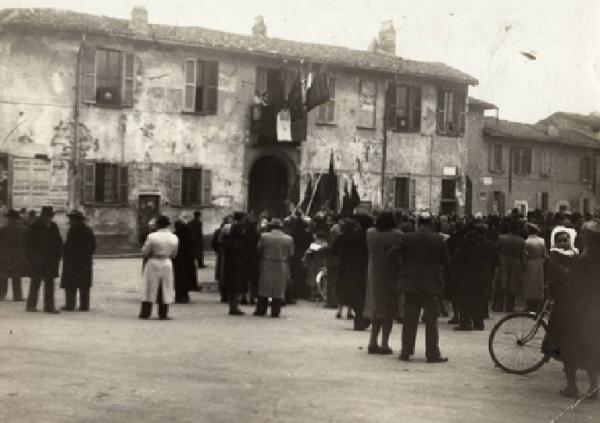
point(12, 255)
point(158, 284)
point(424, 259)
point(276, 248)
point(43, 249)
point(77, 262)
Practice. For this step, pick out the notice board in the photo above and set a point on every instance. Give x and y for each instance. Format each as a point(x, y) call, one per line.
point(39, 182)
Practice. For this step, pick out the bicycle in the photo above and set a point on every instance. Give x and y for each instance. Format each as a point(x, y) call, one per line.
point(515, 342)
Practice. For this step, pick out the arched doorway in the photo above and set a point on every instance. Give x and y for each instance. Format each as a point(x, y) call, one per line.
point(269, 187)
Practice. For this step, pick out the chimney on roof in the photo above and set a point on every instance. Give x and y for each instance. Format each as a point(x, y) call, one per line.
point(386, 39)
point(552, 130)
point(259, 29)
point(139, 20)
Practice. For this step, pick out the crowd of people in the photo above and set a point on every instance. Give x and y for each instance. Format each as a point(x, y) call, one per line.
point(381, 268)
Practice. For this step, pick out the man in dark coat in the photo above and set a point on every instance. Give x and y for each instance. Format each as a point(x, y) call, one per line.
point(478, 260)
point(234, 253)
point(198, 235)
point(302, 240)
point(77, 262)
point(43, 249)
point(186, 277)
point(424, 259)
point(12, 255)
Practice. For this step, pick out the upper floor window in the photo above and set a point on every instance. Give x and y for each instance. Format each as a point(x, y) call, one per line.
point(404, 108)
point(105, 183)
point(201, 86)
point(522, 161)
point(450, 113)
point(587, 169)
point(326, 111)
point(191, 186)
point(367, 101)
point(496, 164)
point(106, 76)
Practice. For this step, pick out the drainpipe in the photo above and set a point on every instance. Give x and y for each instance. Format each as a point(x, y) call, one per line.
point(384, 147)
point(431, 174)
point(75, 147)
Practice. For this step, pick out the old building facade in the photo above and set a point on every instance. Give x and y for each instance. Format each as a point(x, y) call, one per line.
point(123, 119)
point(553, 165)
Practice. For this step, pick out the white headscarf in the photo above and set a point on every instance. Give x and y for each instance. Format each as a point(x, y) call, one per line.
point(572, 235)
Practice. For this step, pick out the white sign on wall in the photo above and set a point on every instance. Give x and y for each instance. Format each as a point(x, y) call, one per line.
point(38, 182)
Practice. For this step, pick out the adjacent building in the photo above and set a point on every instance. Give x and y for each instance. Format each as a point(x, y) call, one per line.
point(553, 165)
point(125, 119)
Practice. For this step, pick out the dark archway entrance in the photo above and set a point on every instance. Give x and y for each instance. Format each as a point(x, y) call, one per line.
point(269, 187)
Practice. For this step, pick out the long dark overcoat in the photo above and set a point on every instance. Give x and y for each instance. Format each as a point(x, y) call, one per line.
point(77, 257)
point(184, 267)
point(12, 250)
point(352, 251)
point(43, 248)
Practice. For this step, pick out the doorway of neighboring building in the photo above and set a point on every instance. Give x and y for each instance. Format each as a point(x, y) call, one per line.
point(148, 208)
point(449, 201)
point(269, 187)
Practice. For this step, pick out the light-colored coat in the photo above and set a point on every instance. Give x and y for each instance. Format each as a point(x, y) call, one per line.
point(533, 277)
point(275, 249)
point(160, 247)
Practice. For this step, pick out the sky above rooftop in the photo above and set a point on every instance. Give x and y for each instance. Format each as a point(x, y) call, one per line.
point(484, 38)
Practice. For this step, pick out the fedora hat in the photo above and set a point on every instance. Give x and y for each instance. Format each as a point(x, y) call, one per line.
point(47, 211)
point(76, 214)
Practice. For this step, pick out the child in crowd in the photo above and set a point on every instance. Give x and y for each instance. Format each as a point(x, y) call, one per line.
point(315, 262)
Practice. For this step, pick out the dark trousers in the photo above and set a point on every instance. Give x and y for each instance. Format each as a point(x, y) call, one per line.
point(71, 298)
point(16, 287)
point(471, 308)
point(34, 288)
point(504, 302)
point(262, 303)
point(163, 309)
point(413, 303)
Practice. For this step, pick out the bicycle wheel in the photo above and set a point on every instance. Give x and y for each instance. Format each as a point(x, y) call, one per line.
point(515, 344)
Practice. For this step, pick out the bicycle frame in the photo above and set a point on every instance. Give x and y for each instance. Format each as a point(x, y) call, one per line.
point(545, 310)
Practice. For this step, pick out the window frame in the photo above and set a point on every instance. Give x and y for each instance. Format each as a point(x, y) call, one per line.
point(545, 163)
point(451, 114)
point(587, 169)
point(88, 76)
point(519, 162)
point(361, 83)
point(208, 87)
point(204, 187)
point(89, 184)
point(449, 200)
point(413, 114)
point(496, 158)
point(329, 107)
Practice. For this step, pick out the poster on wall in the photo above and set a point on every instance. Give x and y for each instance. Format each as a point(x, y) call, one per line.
point(39, 182)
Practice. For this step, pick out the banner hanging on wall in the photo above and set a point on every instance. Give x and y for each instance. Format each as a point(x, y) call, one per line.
point(39, 182)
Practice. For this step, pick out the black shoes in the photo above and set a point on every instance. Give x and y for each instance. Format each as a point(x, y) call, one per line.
point(439, 359)
point(237, 312)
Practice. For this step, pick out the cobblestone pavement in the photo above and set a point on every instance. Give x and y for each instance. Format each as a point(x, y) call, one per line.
point(205, 366)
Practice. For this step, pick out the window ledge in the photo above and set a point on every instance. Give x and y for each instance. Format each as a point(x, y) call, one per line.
point(105, 205)
point(319, 123)
point(198, 113)
point(366, 128)
point(400, 131)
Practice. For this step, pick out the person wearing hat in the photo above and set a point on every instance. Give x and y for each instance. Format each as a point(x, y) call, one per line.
point(533, 277)
point(234, 256)
point(12, 255)
point(77, 262)
point(158, 285)
point(43, 249)
point(424, 258)
point(276, 249)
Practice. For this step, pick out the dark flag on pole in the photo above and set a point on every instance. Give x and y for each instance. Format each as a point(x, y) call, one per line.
point(308, 193)
point(333, 197)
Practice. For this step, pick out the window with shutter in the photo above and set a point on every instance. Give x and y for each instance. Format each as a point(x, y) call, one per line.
point(441, 112)
point(326, 113)
point(451, 107)
point(175, 193)
point(545, 163)
point(128, 73)
point(390, 193)
point(367, 99)
point(123, 184)
point(402, 193)
point(405, 111)
point(211, 83)
point(413, 195)
point(391, 107)
point(414, 105)
point(190, 85)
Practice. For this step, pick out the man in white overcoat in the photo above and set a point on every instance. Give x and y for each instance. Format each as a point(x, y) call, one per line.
point(157, 277)
point(276, 249)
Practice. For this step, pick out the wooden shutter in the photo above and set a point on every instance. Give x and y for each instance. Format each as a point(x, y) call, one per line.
point(492, 158)
point(176, 174)
point(390, 104)
point(89, 182)
point(331, 103)
point(261, 80)
point(87, 73)
point(211, 87)
point(123, 184)
point(128, 72)
point(413, 195)
point(206, 187)
point(414, 106)
point(441, 112)
point(461, 107)
point(527, 159)
point(390, 193)
point(189, 91)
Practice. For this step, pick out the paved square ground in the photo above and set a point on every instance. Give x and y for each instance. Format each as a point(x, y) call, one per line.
point(205, 366)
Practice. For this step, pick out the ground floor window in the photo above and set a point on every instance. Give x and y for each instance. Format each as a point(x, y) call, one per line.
point(191, 186)
point(401, 193)
point(105, 183)
point(449, 201)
